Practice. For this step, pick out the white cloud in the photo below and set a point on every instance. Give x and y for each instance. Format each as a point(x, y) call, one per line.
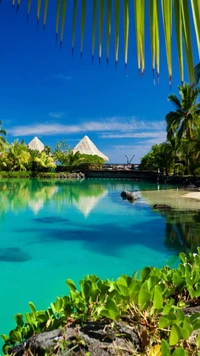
point(56, 115)
point(148, 134)
point(123, 125)
point(63, 76)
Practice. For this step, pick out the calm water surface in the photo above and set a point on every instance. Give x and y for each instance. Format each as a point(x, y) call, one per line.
point(51, 231)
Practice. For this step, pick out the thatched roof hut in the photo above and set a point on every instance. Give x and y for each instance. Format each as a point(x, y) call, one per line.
point(86, 146)
point(36, 144)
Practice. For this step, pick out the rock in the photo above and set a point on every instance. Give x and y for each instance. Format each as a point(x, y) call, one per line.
point(99, 338)
point(129, 195)
point(190, 186)
point(162, 207)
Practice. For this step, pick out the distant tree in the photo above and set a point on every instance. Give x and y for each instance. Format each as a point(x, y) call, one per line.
point(17, 157)
point(2, 138)
point(61, 151)
point(44, 162)
point(184, 121)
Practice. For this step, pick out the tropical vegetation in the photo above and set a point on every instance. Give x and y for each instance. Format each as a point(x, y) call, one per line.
point(152, 301)
point(109, 15)
point(17, 157)
point(180, 154)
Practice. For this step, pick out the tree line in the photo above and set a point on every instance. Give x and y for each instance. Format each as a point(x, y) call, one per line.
point(17, 156)
point(180, 153)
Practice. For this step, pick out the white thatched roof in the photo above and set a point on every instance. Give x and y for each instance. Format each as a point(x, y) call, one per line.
point(86, 146)
point(36, 144)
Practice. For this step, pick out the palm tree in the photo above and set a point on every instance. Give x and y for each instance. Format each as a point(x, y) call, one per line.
point(74, 159)
point(109, 15)
point(184, 121)
point(17, 156)
point(2, 138)
point(44, 161)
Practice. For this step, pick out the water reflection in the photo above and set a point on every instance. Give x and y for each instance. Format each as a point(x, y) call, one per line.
point(118, 224)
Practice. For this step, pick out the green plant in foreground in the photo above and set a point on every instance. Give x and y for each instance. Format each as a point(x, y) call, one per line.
point(153, 301)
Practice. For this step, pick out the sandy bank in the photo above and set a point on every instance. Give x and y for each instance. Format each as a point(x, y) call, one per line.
point(193, 195)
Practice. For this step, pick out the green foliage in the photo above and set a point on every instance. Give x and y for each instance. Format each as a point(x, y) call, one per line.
point(15, 174)
point(154, 299)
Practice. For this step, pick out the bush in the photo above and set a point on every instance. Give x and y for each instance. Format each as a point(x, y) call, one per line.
point(153, 302)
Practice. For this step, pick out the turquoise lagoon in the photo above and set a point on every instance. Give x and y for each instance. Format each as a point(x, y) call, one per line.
point(54, 230)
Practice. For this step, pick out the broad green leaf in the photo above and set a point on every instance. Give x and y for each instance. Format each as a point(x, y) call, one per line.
point(164, 322)
point(111, 310)
point(145, 273)
point(175, 335)
point(15, 336)
point(4, 337)
point(71, 285)
point(179, 352)
point(183, 257)
point(123, 288)
point(32, 307)
point(165, 348)
point(157, 299)
point(144, 298)
point(19, 320)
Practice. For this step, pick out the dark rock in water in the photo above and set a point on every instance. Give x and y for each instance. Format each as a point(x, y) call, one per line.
point(100, 339)
point(129, 195)
point(51, 220)
point(13, 254)
point(162, 207)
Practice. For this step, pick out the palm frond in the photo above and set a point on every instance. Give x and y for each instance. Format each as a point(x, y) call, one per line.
point(197, 73)
point(184, 13)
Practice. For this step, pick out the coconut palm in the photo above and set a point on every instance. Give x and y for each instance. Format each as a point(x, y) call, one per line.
point(74, 158)
point(17, 156)
point(185, 120)
point(44, 161)
point(111, 13)
point(2, 138)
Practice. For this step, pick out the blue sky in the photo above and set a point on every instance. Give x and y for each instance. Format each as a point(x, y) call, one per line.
point(45, 92)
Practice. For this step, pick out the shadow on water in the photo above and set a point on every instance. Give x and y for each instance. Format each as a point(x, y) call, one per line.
point(13, 254)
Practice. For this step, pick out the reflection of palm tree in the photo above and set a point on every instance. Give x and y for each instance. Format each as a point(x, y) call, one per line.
point(182, 230)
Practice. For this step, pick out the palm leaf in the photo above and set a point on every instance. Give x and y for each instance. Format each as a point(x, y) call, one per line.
point(197, 73)
point(108, 32)
point(45, 12)
point(185, 13)
point(83, 16)
point(179, 34)
point(101, 27)
point(74, 24)
point(187, 37)
point(196, 17)
point(64, 10)
point(117, 15)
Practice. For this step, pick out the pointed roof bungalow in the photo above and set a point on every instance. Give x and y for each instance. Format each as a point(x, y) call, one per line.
point(36, 144)
point(86, 146)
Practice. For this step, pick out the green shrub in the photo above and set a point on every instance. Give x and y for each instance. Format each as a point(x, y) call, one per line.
point(153, 299)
